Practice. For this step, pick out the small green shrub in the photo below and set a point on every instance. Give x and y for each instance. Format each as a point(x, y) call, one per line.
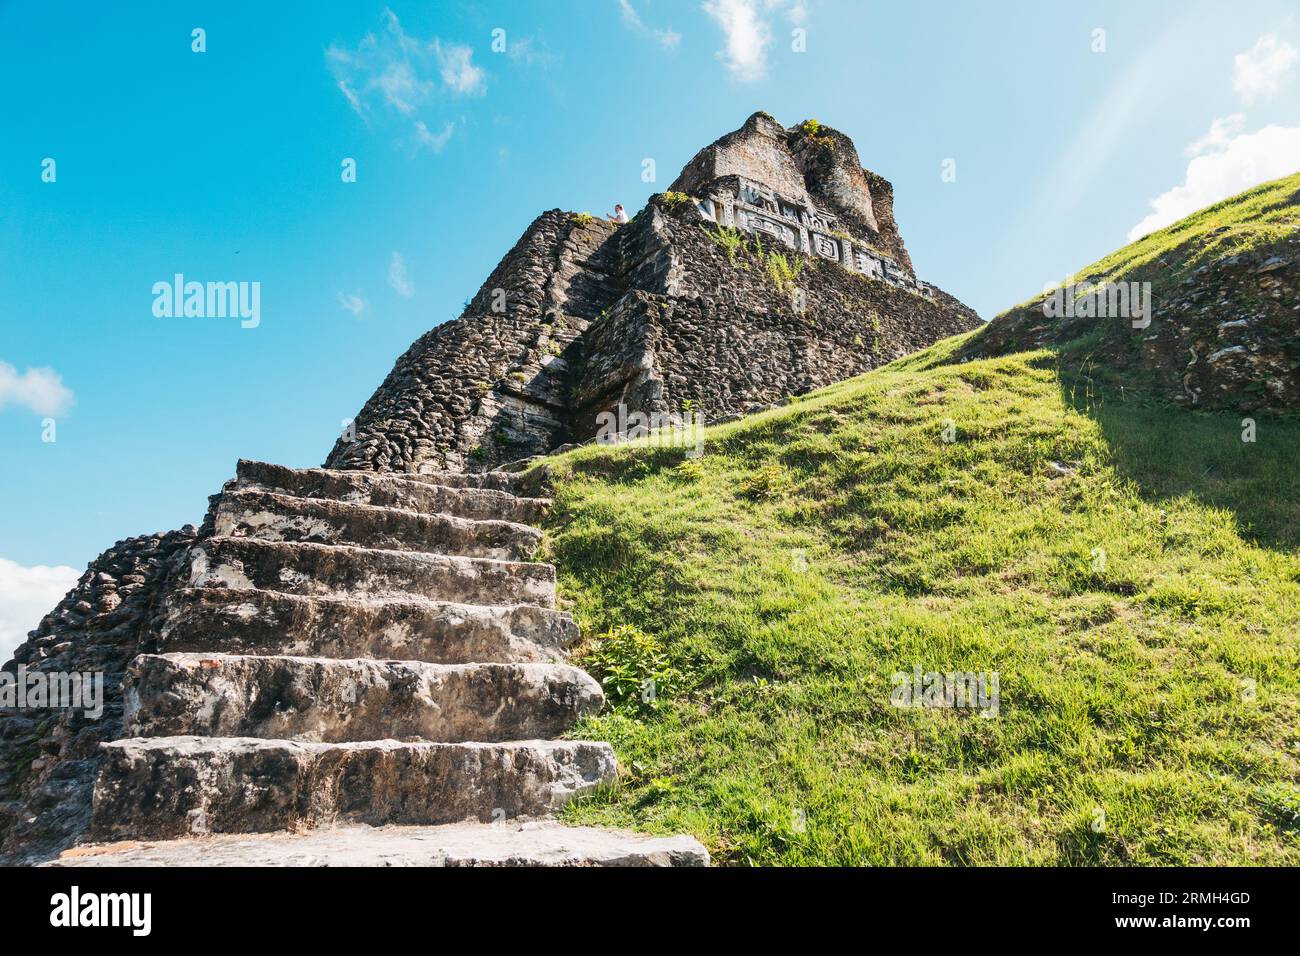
point(1281, 805)
point(632, 668)
point(674, 199)
point(690, 469)
point(582, 219)
point(764, 483)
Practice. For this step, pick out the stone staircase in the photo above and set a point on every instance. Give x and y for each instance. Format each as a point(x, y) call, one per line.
point(370, 662)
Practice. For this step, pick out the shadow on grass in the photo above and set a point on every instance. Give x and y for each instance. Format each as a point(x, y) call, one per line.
point(1170, 452)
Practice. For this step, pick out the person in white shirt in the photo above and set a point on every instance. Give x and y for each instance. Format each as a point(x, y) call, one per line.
point(619, 215)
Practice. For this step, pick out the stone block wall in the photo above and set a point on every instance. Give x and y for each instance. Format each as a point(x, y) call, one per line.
point(721, 335)
point(493, 385)
point(49, 758)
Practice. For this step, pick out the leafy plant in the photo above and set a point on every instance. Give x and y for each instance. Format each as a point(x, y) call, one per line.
point(727, 238)
point(689, 469)
point(765, 482)
point(582, 219)
point(632, 668)
point(674, 199)
point(813, 130)
point(781, 271)
point(1282, 806)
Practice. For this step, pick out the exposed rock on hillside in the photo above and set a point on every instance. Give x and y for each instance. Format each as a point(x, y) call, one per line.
point(1225, 310)
point(49, 758)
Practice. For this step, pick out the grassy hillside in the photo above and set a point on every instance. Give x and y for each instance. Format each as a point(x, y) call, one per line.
point(1225, 310)
point(773, 586)
point(1259, 218)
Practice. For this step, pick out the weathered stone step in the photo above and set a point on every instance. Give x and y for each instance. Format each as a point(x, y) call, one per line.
point(242, 621)
point(389, 490)
point(323, 699)
point(324, 570)
point(276, 517)
point(508, 481)
point(162, 787)
point(532, 843)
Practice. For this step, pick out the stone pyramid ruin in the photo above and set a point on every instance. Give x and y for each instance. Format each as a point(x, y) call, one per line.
point(361, 663)
point(582, 317)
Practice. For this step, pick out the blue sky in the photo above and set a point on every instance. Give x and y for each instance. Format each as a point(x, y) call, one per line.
point(225, 165)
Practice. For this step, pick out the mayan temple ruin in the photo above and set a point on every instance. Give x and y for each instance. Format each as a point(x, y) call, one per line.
point(581, 316)
point(362, 663)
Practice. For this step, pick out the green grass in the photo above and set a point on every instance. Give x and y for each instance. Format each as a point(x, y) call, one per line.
point(815, 550)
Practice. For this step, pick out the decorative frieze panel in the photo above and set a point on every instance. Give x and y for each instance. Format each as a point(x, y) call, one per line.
point(755, 209)
point(868, 264)
point(825, 246)
point(753, 222)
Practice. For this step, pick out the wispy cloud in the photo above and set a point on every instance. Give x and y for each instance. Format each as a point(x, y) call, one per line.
point(27, 594)
point(399, 75)
point(666, 37)
point(39, 389)
point(530, 51)
point(397, 277)
point(1264, 69)
point(353, 302)
point(1232, 165)
point(1222, 130)
point(433, 141)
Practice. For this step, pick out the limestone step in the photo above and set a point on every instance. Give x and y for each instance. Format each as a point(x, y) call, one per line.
point(323, 699)
point(508, 481)
point(162, 787)
point(325, 570)
point(390, 490)
point(244, 621)
point(268, 516)
point(532, 843)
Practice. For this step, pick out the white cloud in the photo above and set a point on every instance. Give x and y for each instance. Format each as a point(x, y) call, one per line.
point(1222, 130)
point(353, 303)
point(433, 141)
point(1264, 69)
point(667, 37)
point(1235, 165)
point(459, 74)
point(26, 596)
point(39, 389)
point(394, 73)
point(397, 277)
point(747, 36)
